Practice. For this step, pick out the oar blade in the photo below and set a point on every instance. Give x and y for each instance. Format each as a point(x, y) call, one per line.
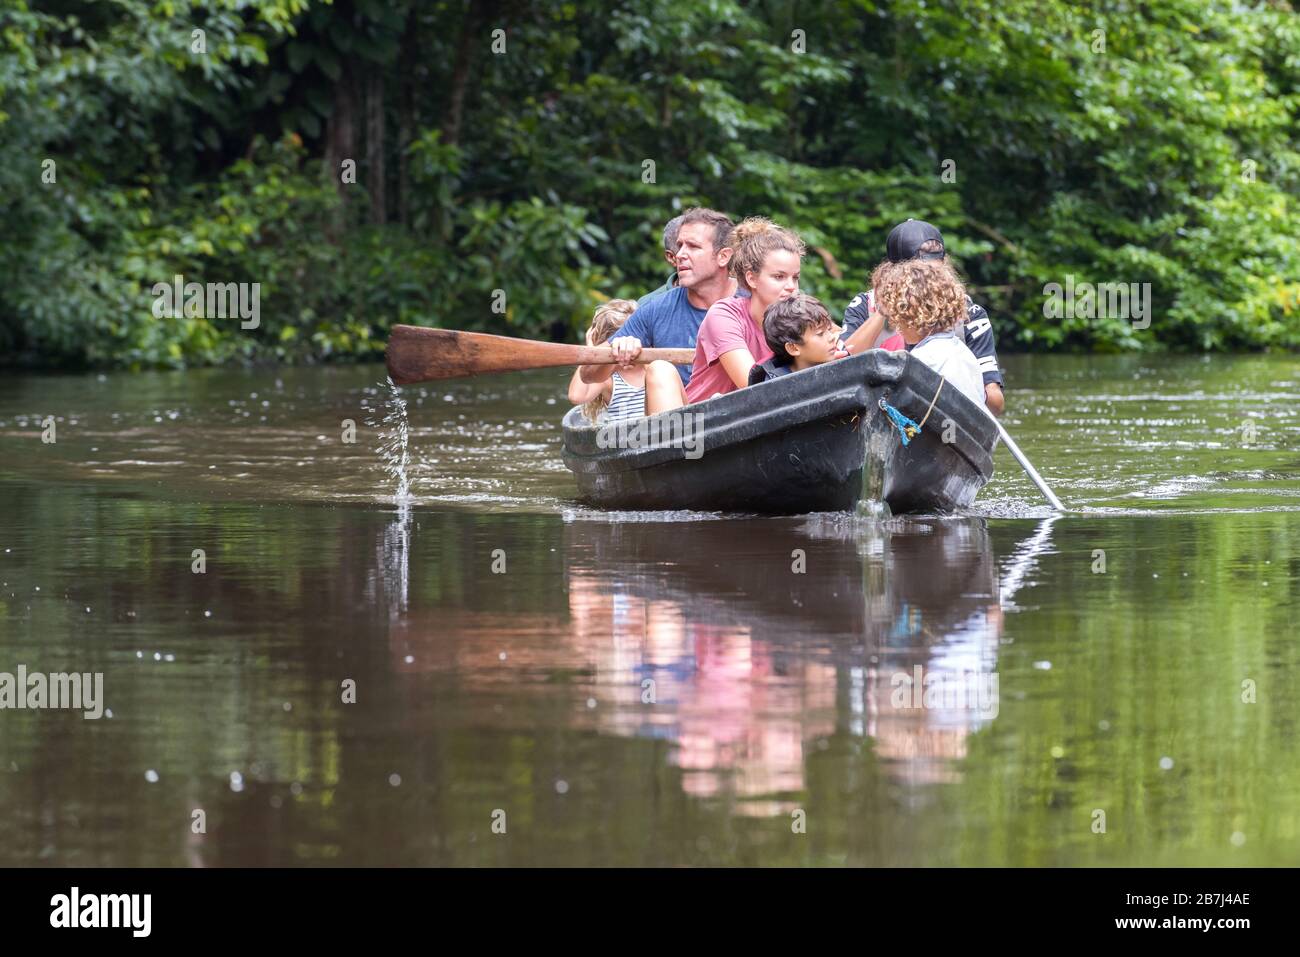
point(419, 354)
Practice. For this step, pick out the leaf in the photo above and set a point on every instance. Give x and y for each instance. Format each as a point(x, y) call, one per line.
point(309, 123)
point(321, 100)
point(299, 55)
point(329, 63)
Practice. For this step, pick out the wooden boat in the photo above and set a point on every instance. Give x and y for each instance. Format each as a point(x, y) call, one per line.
point(819, 440)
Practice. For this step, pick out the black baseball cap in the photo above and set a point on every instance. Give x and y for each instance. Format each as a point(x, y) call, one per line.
point(906, 239)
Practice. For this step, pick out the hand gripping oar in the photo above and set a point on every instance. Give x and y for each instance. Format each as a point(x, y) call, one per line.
point(419, 354)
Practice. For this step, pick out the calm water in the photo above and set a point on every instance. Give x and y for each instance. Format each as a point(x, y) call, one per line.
point(642, 688)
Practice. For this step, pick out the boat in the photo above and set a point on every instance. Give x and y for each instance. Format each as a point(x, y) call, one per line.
point(821, 440)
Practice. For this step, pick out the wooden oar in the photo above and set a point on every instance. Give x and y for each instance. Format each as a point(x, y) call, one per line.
point(1028, 466)
point(419, 354)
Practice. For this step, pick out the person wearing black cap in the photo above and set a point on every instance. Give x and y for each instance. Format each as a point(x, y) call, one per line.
point(916, 239)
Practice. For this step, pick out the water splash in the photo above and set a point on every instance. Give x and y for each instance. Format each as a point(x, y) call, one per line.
point(880, 444)
point(394, 446)
point(394, 553)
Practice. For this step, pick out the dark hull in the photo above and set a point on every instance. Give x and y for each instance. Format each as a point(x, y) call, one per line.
point(812, 441)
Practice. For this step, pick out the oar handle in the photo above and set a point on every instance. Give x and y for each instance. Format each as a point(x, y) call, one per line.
point(599, 355)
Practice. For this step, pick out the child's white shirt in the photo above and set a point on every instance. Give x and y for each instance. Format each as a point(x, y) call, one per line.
point(951, 358)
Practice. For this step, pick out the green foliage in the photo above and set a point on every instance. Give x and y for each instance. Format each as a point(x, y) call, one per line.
point(1108, 141)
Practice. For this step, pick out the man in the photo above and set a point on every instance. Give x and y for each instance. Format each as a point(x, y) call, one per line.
point(916, 239)
point(580, 392)
point(672, 320)
point(670, 254)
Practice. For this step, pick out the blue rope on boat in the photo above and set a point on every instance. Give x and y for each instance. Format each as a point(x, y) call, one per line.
point(907, 429)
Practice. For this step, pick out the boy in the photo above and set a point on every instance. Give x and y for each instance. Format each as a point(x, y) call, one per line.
point(915, 239)
point(924, 300)
point(800, 333)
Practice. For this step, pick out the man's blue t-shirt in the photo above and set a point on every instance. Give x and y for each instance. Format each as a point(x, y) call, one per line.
point(668, 321)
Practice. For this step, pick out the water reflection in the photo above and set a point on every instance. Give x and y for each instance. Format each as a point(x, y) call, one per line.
point(774, 648)
point(389, 583)
point(749, 651)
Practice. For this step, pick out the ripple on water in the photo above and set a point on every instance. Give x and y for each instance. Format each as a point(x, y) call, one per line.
point(1105, 438)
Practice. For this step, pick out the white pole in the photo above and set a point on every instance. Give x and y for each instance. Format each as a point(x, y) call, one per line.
point(1028, 467)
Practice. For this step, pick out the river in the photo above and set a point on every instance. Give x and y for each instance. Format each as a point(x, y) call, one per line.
point(416, 648)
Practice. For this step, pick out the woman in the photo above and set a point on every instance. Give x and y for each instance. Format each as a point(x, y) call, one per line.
point(765, 262)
